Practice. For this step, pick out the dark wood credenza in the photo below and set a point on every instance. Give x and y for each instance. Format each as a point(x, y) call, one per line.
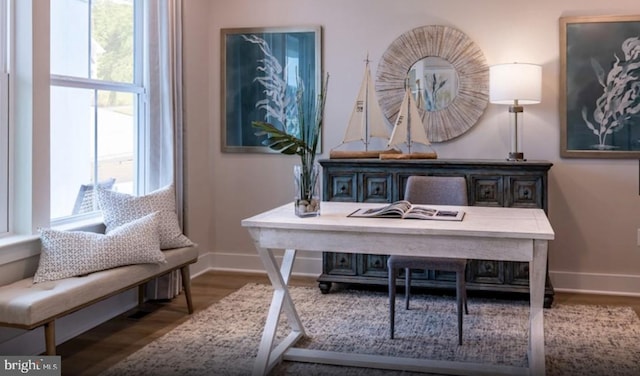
point(490, 183)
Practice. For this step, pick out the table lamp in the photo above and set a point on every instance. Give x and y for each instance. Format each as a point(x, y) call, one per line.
point(515, 84)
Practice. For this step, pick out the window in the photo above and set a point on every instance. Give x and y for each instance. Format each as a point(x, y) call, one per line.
point(97, 100)
point(4, 116)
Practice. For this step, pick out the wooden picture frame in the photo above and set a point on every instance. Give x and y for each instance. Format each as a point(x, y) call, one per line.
point(261, 70)
point(599, 96)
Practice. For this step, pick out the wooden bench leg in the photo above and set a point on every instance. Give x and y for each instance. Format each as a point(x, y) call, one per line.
point(141, 289)
point(50, 337)
point(186, 284)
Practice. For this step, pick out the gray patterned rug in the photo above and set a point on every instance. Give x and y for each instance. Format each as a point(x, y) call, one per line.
point(223, 339)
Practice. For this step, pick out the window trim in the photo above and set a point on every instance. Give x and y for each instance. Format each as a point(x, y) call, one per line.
point(5, 92)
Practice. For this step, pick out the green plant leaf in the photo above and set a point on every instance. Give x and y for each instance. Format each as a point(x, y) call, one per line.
point(277, 139)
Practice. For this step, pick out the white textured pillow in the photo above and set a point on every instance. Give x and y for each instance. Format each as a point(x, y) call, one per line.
point(120, 208)
point(73, 253)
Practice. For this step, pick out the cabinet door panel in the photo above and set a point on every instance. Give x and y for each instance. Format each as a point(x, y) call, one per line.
point(342, 187)
point(376, 187)
point(339, 263)
point(525, 191)
point(486, 271)
point(373, 265)
point(487, 190)
point(439, 275)
point(519, 274)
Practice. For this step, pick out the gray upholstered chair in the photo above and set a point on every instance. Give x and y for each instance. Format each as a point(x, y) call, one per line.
point(433, 190)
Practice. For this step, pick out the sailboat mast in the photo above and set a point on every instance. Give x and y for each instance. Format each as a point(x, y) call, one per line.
point(366, 107)
point(408, 115)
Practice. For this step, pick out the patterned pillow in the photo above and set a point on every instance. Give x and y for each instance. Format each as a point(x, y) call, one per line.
point(73, 253)
point(120, 208)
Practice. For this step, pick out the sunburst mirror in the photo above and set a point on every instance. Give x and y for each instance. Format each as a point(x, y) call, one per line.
point(447, 73)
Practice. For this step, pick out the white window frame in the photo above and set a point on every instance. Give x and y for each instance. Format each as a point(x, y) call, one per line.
point(5, 172)
point(137, 87)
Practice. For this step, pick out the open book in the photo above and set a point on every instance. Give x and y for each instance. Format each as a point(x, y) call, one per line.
point(406, 210)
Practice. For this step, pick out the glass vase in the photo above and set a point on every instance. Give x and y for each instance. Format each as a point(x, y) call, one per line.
point(307, 190)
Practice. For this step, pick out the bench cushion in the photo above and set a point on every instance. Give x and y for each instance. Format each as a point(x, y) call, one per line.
point(25, 304)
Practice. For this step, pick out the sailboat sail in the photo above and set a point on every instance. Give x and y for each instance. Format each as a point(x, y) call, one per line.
point(408, 128)
point(366, 119)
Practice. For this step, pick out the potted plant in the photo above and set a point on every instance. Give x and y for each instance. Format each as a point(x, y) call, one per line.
point(305, 144)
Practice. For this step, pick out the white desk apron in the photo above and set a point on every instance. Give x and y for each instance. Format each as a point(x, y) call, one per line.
point(486, 233)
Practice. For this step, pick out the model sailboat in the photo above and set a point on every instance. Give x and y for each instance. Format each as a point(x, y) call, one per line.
point(366, 122)
point(408, 130)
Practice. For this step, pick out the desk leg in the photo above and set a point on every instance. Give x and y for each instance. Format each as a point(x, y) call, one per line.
point(537, 274)
point(268, 356)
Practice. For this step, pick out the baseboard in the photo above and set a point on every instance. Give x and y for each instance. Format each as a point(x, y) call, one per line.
point(306, 264)
point(596, 283)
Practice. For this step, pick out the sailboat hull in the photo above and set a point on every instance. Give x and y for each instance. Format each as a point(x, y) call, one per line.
point(414, 155)
point(358, 154)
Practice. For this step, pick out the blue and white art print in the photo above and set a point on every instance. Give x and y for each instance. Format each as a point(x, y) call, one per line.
point(262, 69)
point(601, 81)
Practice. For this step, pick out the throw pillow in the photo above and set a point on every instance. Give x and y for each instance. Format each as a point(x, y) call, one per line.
point(120, 208)
point(74, 253)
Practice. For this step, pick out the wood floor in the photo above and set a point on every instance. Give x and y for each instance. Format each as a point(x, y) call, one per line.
point(107, 344)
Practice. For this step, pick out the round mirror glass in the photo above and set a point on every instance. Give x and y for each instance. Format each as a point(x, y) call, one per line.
point(434, 83)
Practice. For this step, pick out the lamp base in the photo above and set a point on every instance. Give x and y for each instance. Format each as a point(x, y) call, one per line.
point(513, 156)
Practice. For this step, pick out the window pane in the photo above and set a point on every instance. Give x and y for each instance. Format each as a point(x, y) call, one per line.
point(112, 37)
point(70, 38)
point(78, 157)
point(92, 39)
point(116, 139)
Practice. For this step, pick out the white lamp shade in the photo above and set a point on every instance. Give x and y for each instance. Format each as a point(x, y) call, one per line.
point(515, 81)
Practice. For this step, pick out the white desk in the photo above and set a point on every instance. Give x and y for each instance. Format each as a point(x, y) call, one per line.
point(485, 233)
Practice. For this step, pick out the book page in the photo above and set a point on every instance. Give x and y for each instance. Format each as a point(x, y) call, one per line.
point(396, 209)
point(421, 212)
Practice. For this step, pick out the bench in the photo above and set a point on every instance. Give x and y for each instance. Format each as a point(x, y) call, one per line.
point(26, 305)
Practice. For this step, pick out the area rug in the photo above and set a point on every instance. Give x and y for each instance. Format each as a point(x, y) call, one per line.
point(223, 339)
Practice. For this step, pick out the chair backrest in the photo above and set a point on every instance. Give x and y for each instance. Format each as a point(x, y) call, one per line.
point(436, 190)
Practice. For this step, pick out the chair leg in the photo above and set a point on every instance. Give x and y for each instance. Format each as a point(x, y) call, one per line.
point(460, 296)
point(407, 287)
point(392, 301)
point(466, 309)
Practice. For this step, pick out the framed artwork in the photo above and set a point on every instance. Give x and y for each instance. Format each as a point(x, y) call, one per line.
point(262, 69)
point(600, 87)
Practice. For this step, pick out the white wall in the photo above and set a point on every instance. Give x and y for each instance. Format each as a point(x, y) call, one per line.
point(594, 204)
